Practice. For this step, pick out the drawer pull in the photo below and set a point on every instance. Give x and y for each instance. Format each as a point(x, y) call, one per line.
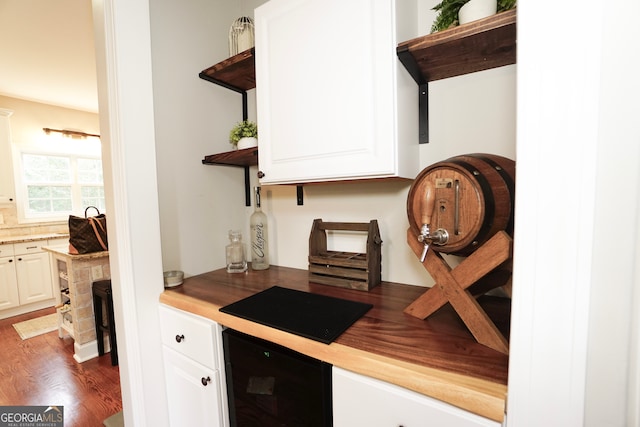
point(31, 247)
point(179, 338)
point(205, 381)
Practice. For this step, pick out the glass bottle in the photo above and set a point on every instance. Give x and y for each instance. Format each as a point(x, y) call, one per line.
point(236, 261)
point(259, 236)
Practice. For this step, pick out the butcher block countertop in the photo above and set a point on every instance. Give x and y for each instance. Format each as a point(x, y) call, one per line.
point(437, 357)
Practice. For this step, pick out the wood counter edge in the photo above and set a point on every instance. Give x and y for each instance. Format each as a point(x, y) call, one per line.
point(481, 397)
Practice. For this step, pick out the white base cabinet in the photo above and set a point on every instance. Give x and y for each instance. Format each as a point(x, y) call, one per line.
point(8, 283)
point(34, 277)
point(364, 401)
point(25, 278)
point(333, 100)
point(192, 392)
point(194, 369)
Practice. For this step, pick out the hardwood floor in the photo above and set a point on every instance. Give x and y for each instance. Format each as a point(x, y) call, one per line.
point(41, 371)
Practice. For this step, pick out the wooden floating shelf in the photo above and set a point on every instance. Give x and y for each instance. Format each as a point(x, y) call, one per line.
point(240, 158)
point(245, 158)
point(479, 45)
point(237, 73)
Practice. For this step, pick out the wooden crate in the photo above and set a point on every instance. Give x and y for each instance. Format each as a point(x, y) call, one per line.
point(352, 270)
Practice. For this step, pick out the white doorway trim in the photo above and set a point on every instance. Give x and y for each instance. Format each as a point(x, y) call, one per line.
point(123, 59)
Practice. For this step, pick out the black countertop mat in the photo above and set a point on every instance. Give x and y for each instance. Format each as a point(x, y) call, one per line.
point(318, 317)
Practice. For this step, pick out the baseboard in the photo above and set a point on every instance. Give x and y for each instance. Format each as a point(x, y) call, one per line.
point(88, 351)
point(16, 311)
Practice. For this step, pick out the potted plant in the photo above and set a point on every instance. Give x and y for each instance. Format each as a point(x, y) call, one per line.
point(244, 135)
point(448, 12)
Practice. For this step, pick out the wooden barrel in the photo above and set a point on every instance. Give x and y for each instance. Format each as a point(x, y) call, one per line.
point(471, 197)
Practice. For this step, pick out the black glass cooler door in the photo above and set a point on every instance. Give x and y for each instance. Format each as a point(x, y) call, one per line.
point(270, 385)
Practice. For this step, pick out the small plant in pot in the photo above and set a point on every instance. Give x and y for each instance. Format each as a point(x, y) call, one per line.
point(244, 135)
point(448, 11)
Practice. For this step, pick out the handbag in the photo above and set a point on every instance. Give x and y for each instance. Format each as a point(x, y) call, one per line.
point(88, 234)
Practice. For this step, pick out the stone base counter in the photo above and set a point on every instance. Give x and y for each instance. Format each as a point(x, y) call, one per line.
point(73, 277)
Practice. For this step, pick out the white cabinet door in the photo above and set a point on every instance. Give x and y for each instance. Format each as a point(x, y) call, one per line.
point(192, 392)
point(8, 284)
point(333, 100)
point(364, 401)
point(34, 277)
point(7, 189)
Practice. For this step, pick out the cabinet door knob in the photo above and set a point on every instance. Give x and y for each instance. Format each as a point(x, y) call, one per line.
point(179, 338)
point(19, 259)
point(10, 260)
point(205, 381)
point(260, 174)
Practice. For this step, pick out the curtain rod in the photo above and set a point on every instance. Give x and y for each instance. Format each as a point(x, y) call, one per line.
point(70, 132)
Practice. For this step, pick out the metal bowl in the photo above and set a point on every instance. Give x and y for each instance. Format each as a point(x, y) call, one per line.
point(173, 278)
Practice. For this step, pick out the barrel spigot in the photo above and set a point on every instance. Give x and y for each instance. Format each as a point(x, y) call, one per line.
point(439, 236)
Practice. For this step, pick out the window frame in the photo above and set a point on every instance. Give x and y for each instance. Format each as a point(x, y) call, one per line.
point(88, 148)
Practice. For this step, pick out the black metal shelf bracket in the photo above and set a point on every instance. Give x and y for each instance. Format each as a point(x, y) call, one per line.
point(299, 195)
point(245, 116)
point(247, 187)
point(423, 113)
point(411, 65)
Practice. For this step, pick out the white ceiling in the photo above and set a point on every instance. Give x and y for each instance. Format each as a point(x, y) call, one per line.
point(47, 52)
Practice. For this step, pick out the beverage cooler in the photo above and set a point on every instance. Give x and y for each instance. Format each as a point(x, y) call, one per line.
point(270, 385)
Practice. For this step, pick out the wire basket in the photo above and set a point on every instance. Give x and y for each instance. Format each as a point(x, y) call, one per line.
point(241, 35)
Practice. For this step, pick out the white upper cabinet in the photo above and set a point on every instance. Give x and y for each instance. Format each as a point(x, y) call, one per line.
point(7, 189)
point(333, 100)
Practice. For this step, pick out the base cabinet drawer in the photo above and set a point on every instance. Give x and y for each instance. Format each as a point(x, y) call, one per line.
point(364, 401)
point(190, 335)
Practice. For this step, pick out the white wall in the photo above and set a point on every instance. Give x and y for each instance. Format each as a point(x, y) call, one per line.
point(30, 117)
point(199, 204)
point(486, 101)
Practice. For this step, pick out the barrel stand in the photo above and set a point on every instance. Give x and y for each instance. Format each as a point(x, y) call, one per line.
point(453, 286)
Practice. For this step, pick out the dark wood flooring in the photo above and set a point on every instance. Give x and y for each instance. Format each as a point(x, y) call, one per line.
point(41, 371)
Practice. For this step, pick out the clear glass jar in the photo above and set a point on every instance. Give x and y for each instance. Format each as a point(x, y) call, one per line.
point(236, 260)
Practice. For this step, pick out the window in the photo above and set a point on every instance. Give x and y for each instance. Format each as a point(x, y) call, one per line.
point(52, 185)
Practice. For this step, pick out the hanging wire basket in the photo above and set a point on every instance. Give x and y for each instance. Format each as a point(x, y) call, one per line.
point(241, 35)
